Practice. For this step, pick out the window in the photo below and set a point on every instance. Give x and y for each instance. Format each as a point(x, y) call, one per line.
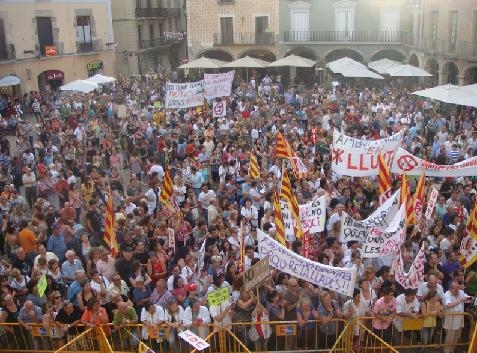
point(453, 30)
point(300, 21)
point(45, 33)
point(344, 20)
point(83, 33)
point(227, 30)
point(434, 23)
point(151, 31)
point(261, 29)
point(390, 24)
point(139, 33)
point(3, 43)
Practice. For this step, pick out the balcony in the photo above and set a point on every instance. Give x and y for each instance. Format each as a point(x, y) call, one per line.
point(9, 53)
point(447, 48)
point(156, 43)
point(57, 49)
point(157, 12)
point(95, 45)
point(343, 36)
point(246, 38)
point(225, 2)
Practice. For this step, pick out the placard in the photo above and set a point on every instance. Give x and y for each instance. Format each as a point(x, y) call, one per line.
point(431, 204)
point(218, 296)
point(286, 329)
point(122, 112)
point(218, 85)
point(312, 217)
point(358, 158)
point(194, 340)
point(184, 95)
point(219, 109)
point(256, 274)
point(338, 279)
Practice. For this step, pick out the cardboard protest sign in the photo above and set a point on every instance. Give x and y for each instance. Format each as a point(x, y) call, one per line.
point(340, 280)
point(256, 274)
point(194, 340)
point(218, 296)
point(122, 111)
point(218, 85)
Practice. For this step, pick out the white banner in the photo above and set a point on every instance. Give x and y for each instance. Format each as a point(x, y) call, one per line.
point(184, 95)
point(355, 157)
point(384, 243)
point(415, 276)
point(352, 229)
point(219, 109)
point(194, 340)
point(312, 217)
point(218, 85)
point(340, 280)
point(404, 161)
point(431, 204)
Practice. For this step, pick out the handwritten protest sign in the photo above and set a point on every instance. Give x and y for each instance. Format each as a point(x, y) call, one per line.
point(404, 161)
point(122, 111)
point(218, 296)
point(312, 217)
point(355, 157)
point(157, 105)
point(218, 85)
point(431, 204)
point(256, 274)
point(194, 340)
point(352, 229)
point(184, 95)
point(340, 280)
point(380, 243)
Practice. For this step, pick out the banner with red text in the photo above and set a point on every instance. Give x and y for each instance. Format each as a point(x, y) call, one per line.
point(431, 204)
point(184, 95)
point(312, 217)
point(358, 158)
point(415, 276)
point(404, 161)
point(218, 85)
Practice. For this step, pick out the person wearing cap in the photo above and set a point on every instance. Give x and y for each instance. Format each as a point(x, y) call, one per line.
point(197, 317)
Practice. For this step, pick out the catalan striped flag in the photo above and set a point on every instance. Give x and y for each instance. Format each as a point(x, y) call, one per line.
point(468, 245)
point(166, 190)
point(472, 223)
point(283, 147)
point(286, 193)
point(253, 167)
point(109, 231)
point(299, 168)
point(384, 178)
point(406, 198)
point(278, 220)
point(419, 195)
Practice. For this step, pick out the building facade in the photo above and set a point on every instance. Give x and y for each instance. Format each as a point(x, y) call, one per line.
point(231, 29)
point(444, 39)
point(46, 44)
point(150, 35)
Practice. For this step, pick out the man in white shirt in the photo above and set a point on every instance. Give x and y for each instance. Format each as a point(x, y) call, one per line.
point(407, 306)
point(336, 216)
point(454, 300)
point(425, 287)
point(204, 200)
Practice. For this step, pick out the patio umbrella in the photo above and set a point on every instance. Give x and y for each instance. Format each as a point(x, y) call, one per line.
point(363, 73)
point(100, 79)
point(462, 95)
point(80, 86)
point(248, 62)
point(204, 63)
point(344, 64)
point(293, 60)
point(383, 65)
point(407, 71)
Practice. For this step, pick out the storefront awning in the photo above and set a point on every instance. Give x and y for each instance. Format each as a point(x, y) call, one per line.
point(9, 81)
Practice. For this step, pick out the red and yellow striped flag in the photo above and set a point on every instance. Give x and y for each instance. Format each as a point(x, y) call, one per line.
point(407, 198)
point(418, 200)
point(109, 231)
point(286, 193)
point(468, 245)
point(253, 168)
point(166, 190)
point(384, 175)
point(472, 223)
point(278, 220)
point(283, 147)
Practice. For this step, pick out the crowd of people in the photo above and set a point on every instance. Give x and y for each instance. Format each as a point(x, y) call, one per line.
point(74, 151)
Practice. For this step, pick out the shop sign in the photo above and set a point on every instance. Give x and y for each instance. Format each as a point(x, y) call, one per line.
point(94, 65)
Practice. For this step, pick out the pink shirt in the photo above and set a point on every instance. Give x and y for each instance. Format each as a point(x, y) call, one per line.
point(384, 309)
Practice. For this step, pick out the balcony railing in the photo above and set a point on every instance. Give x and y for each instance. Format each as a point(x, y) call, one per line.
point(9, 53)
point(343, 36)
point(225, 2)
point(156, 42)
point(245, 38)
point(94, 45)
point(456, 49)
point(157, 12)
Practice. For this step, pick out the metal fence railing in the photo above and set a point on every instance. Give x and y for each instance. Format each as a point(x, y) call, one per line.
point(241, 337)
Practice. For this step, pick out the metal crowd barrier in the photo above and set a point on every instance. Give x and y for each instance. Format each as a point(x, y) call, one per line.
point(241, 337)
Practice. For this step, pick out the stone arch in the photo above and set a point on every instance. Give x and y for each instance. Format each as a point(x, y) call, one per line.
point(470, 75)
point(219, 54)
point(392, 54)
point(413, 60)
point(336, 54)
point(432, 66)
point(258, 53)
point(303, 52)
point(450, 72)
